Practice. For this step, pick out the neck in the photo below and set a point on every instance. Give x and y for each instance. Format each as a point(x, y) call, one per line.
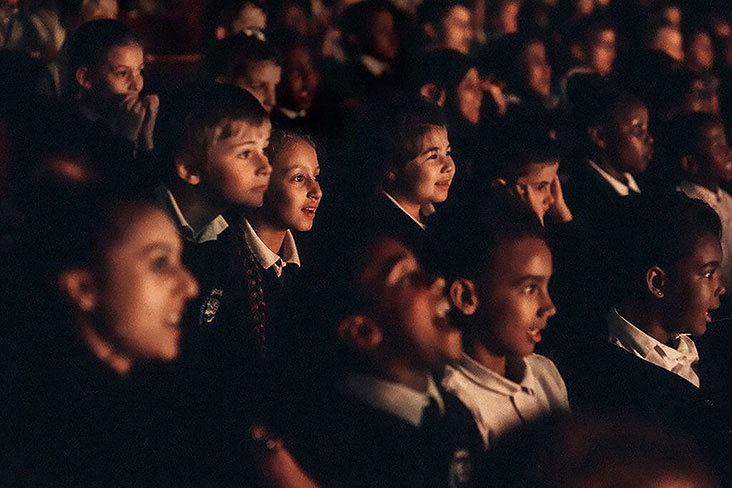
point(103, 349)
point(710, 185)
point(647, 319)
point(401, 373)
point(271, 235)
point(491, 360)
point(197, 212)
point(608, 167)
point(412, 208)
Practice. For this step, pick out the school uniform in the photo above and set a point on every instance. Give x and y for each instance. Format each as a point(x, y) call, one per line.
point(532, 388)
point(374, 432)
point(390, 219)
point(721, 202)
point(631, 376)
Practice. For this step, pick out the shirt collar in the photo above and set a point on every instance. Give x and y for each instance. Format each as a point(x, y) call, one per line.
point(425, 210)
point(210, 232)
point(627, 336)
point(265, 256)
point(707, 195)
point(292, 114)
point(488, 379)
point(374, 66)
point(394, 398)
point(620, 188)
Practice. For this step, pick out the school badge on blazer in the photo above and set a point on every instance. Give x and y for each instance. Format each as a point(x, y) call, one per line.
point(460, 469)
point(210, 306)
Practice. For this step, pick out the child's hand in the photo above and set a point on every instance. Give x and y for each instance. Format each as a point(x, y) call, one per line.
point(533, 198)
point(131, 117)
point(151, 103)
point(559, 210)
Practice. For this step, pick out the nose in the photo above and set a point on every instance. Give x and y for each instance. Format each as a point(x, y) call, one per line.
point(448, 165)
point(547, 307)
point(314, 192)
point(549, 200)
point(136, 82)
point(263, 166)
point(721, 289)
point(270, 97)
point(189, 285)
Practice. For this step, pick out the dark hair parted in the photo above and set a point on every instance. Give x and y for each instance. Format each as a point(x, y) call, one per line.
point(190, 124)
point(659, 230)
point(463, 240)
point(232, 56)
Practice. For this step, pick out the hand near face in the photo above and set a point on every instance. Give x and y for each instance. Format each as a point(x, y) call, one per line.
point(533, 198)
point(151, 103)
point(132, 113)
point(559, 211)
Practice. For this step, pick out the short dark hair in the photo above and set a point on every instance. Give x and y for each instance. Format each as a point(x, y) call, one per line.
point(188, 125)
point(594, 100)
point(91, 42)
point(685, 133)
point(659, 230)
point(232, 56)
point(356, 17)
point(518, 156)
point(222, 13)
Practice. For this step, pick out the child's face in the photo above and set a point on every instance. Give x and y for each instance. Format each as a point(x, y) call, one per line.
point(669, 40)
point(701, 51)
point(411, 307)
point(120, 74)
point(540, 177)
point(537, 72)
point(602, 52)
point(142, 287)
point(457, 29)
point(713, 155)
point(261, 80)
point(294, 193)
point(427, 178)
point(629, 143)
point(693, 288)
point(513, 294)
point(301, 80)
point(383, 42)
point(470, 96)
point(237, 170)
point(250, 17)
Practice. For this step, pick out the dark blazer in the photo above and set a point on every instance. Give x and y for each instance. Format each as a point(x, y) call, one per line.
point(389, 220)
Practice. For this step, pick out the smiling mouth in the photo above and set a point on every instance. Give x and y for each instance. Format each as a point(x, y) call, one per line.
point(309, 211)
point(535, 333)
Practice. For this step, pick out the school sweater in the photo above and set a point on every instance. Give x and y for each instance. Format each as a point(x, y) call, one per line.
point(532, 388)
point(349, 443)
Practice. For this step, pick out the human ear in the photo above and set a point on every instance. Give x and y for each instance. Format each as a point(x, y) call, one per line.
point(77, 287)
point(220, 33)
point(688, 164)
point(83, 77)
point(463, 296)
point(360, 332)
point(597, 136)
point(186, 169)
point(430, 31)
point(655, 281)
point(431, 92)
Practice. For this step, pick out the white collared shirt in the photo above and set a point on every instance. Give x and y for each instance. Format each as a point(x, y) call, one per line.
point(374, 66)
point(721, 202)
point(680, 360)
point(500, 404)
point(620, 188)
point(292, 114)
point(425, 210)
point(394, 398)
point(210, 232)
point(268, 258)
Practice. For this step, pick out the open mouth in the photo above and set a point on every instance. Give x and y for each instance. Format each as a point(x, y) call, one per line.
point(309, 211)
point(535, 333)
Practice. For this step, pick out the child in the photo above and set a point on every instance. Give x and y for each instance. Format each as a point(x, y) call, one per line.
point(110, 118)
point(592, 49)
point(226, 18)
point(666, 285)
point(448, 24)
point(113, 289)
point(500, 287)
point(701, 151)
point(388, 423)
point(249, 63)
point(416, 172)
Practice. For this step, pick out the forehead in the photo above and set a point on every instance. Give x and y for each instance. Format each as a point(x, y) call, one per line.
point(707, 249)
point(263, 70)
point(534, 49)
point(141, 226)
point(457, 13)
point(543, 170)
point(434, 136)
point(238, 131)
point(295, 152)
point(519, 257)
point(129, 54)
point(385, 257)
point(603, 36)
point(629, 113)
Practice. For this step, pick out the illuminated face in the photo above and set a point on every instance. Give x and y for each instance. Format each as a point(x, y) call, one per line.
point(294, 193)
point(300, 80)
point(427, 178)
point(537, 72)
point(630, 145)
point(713, 156)
point(457, 29)
point(540, 177)
point(669, 40)
point(142, 287)
point(693, 289)
point(250, 17)
point(602, 52)
point(261, 80)
point(237, 170)
point(700, 54)
point(513, 296)
point(470, 96)
point(383, 42)
point(119, 75)
point(411, 307)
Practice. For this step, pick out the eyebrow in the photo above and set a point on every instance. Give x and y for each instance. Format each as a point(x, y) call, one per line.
point(523, 279)
point(389, 266)
point(155, 246)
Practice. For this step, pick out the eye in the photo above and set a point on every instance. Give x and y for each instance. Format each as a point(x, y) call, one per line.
point(245, 154)
point(542, 186)
point(317, 177)
point(298, 178)
point(120, 74)
point(161, 264)
point(530, 289)
point(449, 153)
point(710, 274)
